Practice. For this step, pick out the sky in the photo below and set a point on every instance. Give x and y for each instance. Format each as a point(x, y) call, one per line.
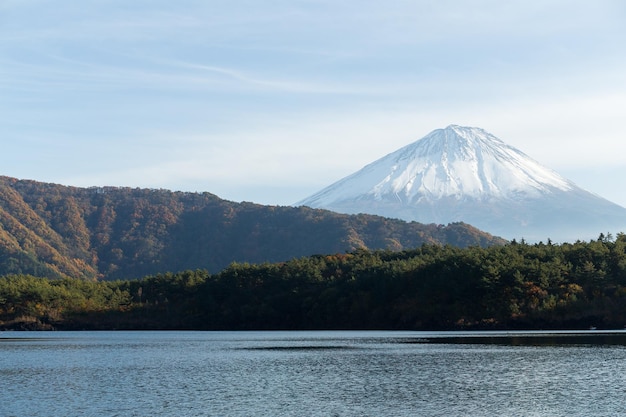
point(271, 101)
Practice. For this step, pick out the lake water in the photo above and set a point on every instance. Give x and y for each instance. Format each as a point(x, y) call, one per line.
point(312, 374)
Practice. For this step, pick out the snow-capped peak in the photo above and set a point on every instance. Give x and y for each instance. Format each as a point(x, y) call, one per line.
point(467, 174)
point(454, 162)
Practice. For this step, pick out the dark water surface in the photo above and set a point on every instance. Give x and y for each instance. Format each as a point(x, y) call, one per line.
point(312, 374)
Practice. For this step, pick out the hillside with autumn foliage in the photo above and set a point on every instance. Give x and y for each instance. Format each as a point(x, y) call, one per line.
point(57, 231)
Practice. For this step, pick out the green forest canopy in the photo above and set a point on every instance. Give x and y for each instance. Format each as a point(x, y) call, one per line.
point(518, 285)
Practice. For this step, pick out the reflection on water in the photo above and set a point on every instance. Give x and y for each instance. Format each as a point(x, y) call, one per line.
point(532, 338)
point(313, 373)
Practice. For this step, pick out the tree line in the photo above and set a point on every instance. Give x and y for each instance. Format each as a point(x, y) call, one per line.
point(518, 285)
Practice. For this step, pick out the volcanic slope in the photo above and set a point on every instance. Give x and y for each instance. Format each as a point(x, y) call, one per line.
point(467, 174)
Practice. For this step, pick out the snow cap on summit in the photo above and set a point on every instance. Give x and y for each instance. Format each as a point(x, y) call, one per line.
point(454, 162)
point(466, 174)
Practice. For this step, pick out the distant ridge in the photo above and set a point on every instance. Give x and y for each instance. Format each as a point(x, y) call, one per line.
point(110, 232)
point(467, 174)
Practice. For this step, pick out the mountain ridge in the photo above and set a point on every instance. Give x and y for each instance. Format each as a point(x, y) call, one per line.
point(60, 231)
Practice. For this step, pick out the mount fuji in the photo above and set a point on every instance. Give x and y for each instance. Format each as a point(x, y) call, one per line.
point(467, 174)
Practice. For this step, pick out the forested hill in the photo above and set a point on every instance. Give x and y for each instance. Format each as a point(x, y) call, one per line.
point(432, 287)
point(58, 231)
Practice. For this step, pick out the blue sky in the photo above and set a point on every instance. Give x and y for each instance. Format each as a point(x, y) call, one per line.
point(270, 101)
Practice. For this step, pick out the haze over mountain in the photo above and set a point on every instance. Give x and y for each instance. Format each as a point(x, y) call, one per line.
point(467, 174)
